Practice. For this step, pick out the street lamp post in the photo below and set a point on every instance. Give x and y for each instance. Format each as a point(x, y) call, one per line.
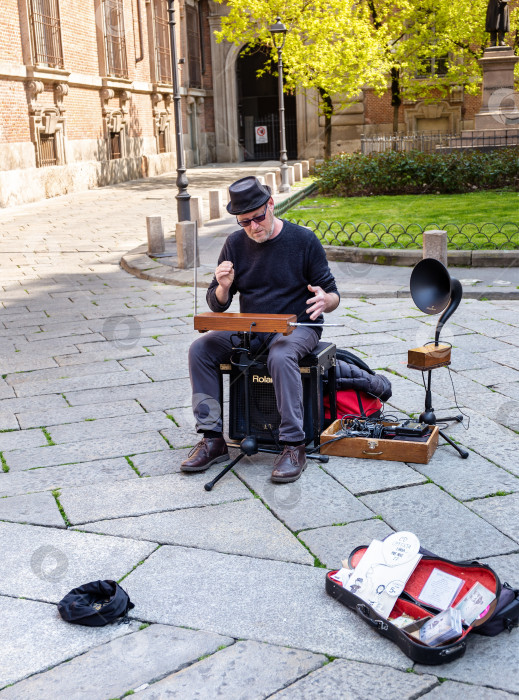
point(183, 196)
point(279, 32)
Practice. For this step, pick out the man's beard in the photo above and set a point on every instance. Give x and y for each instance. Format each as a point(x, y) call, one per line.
point(266, 235)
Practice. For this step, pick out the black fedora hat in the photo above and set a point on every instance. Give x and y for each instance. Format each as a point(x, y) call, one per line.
point(246, 195)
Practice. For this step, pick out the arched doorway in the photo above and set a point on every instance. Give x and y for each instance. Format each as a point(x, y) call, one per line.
point(258, 111)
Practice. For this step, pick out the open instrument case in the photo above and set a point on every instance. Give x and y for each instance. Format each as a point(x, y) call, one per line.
point(407, 603)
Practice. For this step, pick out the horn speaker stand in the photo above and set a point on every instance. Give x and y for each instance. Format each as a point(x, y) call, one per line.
point(433, 290)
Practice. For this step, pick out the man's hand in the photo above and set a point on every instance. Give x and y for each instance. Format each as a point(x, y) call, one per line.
point(321, 302)
point(224, 274)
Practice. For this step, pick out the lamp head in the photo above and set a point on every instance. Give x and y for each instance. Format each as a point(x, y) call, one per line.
point(278, 31)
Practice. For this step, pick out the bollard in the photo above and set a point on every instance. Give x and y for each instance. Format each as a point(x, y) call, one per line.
point(311, 164)
point(197, 210)
point(156, 244)
point(271, 181)
point(261, 180)
point(306, 168)
point(215, 204)
point(435, 245)
point(291, 175)
point(277, 173)
point(298, 172)
point(185, 233)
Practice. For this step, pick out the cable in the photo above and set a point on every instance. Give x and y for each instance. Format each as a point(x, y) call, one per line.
point(456, 403)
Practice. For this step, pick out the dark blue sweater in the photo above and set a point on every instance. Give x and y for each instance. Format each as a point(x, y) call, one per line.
point(273, 277)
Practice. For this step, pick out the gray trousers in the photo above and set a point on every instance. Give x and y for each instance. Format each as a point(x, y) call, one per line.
point(213, 348)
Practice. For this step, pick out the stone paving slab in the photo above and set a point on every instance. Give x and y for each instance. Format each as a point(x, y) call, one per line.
point(421, 509)
point(5, 390)
point(450, 690)
point(474, 342)
point(33, 480)
point(358, 681)
point(8, 421)
point(488, 661)
point(123, 664)
point(155, 396)
point(109, 353)
point(55, 373)
point(159, 368)
point(150, 495)
point(85, 451)
point(100, 429)
point(36, 403)
point(497, 374)
point(22, 440)
point(242, 527)
point(300, 504)
point(498, 445)
point(507, 568)
point(66, 386)
point(465, 479)
point(76, 414)
point(500, 511)
point(45, 563)
point(332, 545)
point(157, 463)
point(34, 637)
point(244, 671)
point(245, 598)
point(181, 437)
point(34, 508)
point(362, 476)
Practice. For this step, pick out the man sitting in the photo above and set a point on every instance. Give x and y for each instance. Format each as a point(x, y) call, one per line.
point(276, 267)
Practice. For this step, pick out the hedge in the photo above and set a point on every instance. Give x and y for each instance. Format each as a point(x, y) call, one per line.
point(415, 172)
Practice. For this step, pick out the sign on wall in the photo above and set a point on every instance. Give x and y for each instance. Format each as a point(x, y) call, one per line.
point(261, 134)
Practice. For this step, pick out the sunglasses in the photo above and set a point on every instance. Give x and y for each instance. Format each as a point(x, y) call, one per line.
point(258, 219)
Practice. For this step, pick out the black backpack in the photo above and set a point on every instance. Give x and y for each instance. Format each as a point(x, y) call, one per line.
point(95, 604)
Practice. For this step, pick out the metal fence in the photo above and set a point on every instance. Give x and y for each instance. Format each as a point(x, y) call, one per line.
point(429, 141)
point(465, 237)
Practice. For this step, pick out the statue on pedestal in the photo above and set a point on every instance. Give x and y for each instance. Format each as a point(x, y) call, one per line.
point(498, 21)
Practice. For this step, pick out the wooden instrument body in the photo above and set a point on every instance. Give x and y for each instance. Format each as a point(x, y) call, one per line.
point(429, 356)
point(263, 323)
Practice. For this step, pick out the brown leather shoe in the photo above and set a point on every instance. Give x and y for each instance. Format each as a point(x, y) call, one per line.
point(289, 464)
point(206, 452)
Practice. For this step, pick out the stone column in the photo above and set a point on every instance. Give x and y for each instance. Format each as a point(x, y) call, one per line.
point(306, 168)
point(270, 179)
point(185, 237)
point(291, 175)
point(156, 244)
point(197, 211)
point(215, 204)
point(298, 172)
point(435, 245)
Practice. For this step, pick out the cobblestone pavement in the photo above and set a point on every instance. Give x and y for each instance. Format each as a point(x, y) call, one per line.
point(228, 585)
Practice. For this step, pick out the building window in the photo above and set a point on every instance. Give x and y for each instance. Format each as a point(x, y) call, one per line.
point(194, 53)
point(162, 48)
point(46, 32)
point(114, 142)
point(48, 150)
point(432, 66)
point(162, 142)
point(115, 41)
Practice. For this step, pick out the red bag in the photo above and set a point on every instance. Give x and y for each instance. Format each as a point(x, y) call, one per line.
point(355, 403)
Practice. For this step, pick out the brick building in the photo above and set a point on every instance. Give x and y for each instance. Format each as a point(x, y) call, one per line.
point(86, 93)
point(86, 97)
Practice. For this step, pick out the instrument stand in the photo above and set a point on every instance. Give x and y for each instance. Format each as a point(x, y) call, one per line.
point(249, 444)
point(429, 417)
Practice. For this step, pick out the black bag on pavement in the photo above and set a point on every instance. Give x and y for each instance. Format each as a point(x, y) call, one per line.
point(95, 604)
point(503, 612)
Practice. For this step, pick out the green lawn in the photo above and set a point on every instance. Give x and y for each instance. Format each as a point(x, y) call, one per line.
point(401, 219)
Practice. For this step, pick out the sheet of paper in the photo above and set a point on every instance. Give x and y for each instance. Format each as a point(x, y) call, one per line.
point(474, 603)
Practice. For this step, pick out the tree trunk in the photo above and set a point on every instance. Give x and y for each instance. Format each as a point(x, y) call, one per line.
point(328, 111)
point(396, 99)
